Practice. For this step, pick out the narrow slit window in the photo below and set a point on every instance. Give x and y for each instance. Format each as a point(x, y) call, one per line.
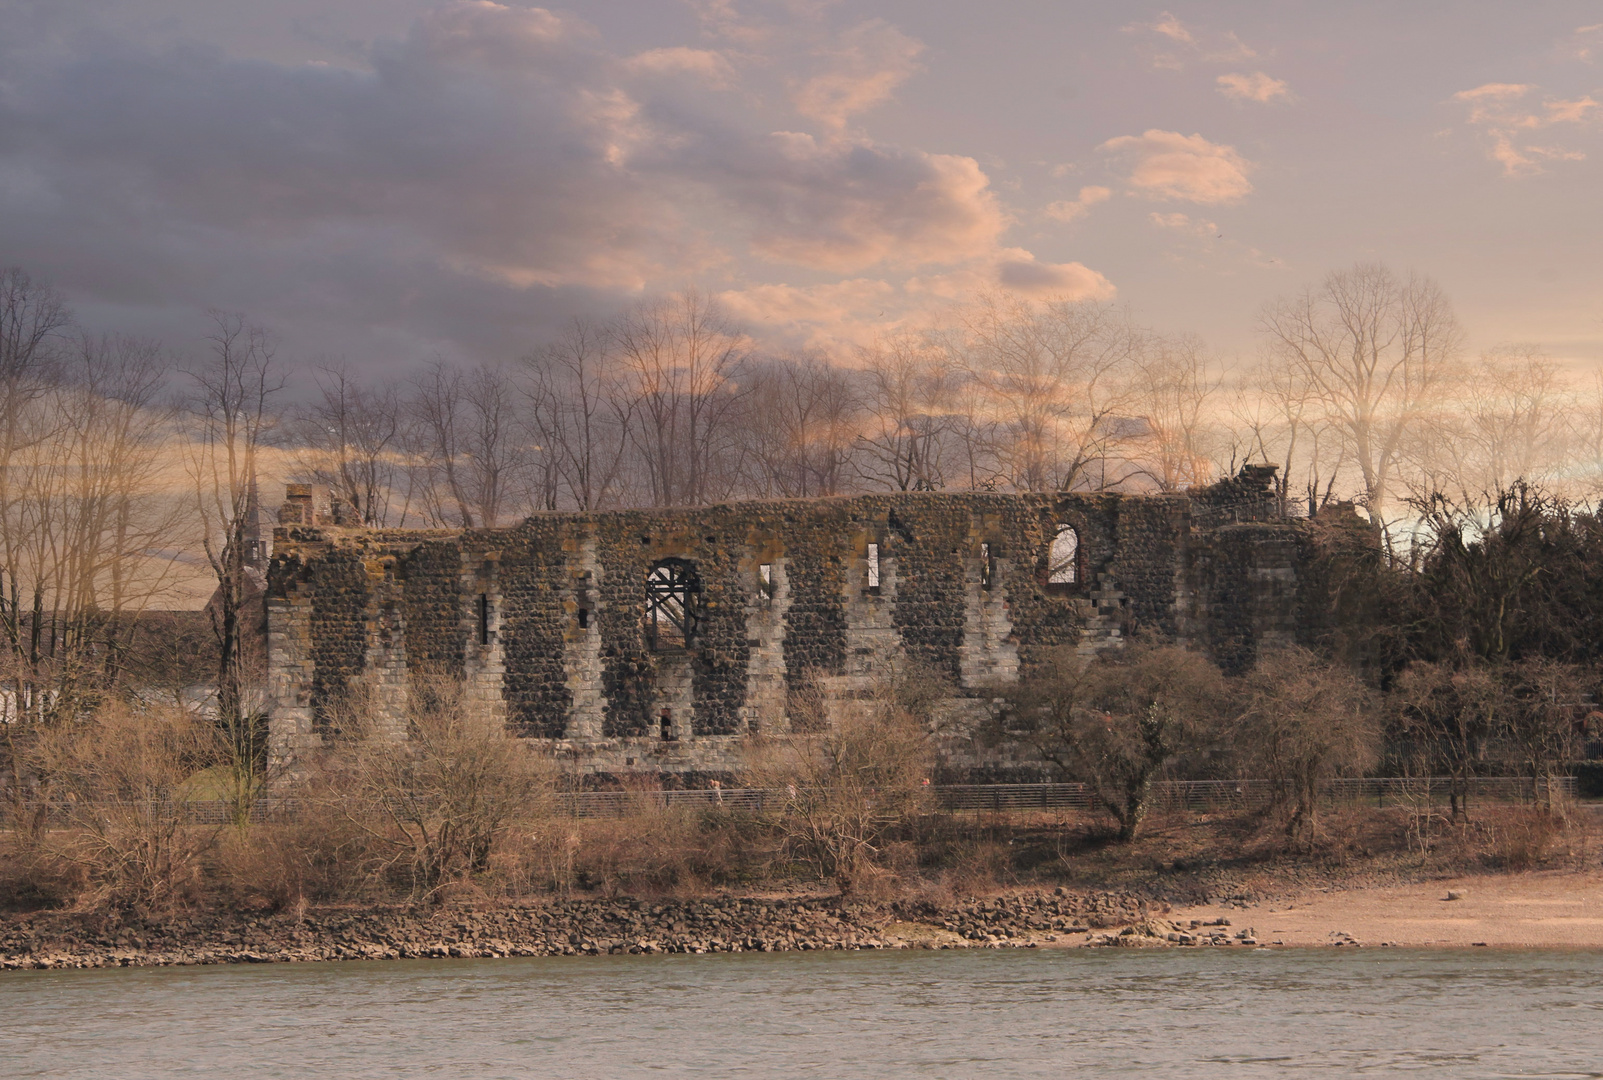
point(765, 580)
point(484, 618)
point(985, 566)
point(584, 618)
point(1064, 558)
point(873, 566)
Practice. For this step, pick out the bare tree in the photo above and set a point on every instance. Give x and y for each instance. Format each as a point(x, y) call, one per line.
point(1376, 353)
point(801, 424)
point(1052, 377)
point(33, 321)
point(1449, 711)
point(1306, 722)
point(580, 412)
point(84, 522)
point(909, 389)
point(349, 439)
point(1540, 721)
point(1117, 721)
point(231, 414)
point(469, 451)
point(1174, 383)
point(684, 360)
point(1519, 415)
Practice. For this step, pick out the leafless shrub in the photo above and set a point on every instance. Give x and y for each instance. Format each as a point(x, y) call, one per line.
point(1118, 721)
point(1521, 838)
point(436, 803)
point(848, 786)
point(1306, 722)
point(116, 784)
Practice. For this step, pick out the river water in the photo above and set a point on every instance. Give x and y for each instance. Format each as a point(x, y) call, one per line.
point(1058, 1013)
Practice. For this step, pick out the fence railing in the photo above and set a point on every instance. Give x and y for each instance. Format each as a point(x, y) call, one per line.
point(1195, 795)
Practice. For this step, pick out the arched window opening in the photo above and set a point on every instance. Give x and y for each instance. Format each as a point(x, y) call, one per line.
point(673, 604)
point(1063, 559)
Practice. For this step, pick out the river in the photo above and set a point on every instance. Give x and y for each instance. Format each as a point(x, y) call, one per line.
point(1092, 1013)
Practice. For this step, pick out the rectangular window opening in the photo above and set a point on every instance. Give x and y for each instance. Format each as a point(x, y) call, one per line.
point(584, 618)
point(484, 618)
point(765, 580)
point(985, 566)
point(873, 567)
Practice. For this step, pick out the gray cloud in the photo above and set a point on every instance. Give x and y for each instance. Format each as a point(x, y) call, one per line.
point(496, 163)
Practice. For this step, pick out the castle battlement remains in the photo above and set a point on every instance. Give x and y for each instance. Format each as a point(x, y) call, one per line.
point(653, 640)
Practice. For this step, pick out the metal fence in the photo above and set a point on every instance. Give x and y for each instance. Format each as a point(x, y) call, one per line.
point(1193, 795)
point(1203, 795)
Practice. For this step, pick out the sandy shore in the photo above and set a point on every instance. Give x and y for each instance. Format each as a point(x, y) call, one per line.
point(1538, 909)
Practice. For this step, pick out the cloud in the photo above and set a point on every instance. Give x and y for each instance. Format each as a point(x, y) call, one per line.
point(1506, 122)
point(487, 172)
point(843, 206)
point(1255, 87)
point(1172, 28)
point(1198, 227)
point(1169, 165)
point(708, 65)
point(839, 316)
point(1178, 44)
point(832, 317)
point(1074, 209)
point(1018, 271)
point(865, 66)
point(1583, 43)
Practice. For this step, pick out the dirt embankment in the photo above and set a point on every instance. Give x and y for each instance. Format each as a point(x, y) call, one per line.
point(561, 928)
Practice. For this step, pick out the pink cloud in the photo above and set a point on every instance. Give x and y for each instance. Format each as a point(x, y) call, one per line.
point(1067, 210)
point(1255, 87)
point(1188, 168)
point(1505, 120)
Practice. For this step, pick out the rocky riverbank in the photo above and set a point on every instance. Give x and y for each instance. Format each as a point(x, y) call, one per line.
point(564, 928)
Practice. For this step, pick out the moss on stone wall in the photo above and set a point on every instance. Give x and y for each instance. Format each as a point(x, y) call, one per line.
point(815, 542)
point(431, 603)
point(338, 585)
point(531, 583)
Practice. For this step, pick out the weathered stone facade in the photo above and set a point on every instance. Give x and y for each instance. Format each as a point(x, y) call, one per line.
point(546, 622)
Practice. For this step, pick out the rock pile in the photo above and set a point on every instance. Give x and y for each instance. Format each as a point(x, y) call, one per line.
point(559, 928)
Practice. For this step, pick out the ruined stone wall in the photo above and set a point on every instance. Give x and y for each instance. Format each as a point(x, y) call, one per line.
point(544, 621)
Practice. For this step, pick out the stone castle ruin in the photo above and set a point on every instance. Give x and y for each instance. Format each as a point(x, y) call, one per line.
point(654, 640)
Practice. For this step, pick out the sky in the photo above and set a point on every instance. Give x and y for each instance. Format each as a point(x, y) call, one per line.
point(391, 181)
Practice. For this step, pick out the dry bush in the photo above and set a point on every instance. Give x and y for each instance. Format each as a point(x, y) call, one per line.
point(116, 785)
point(299, 857)
point(650, 851)
point(433, 807)
point(850, 786)
point(33, 877)
point(1521, 837)
point(977, 868)
point(1306, 722)
point(1118, 721)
